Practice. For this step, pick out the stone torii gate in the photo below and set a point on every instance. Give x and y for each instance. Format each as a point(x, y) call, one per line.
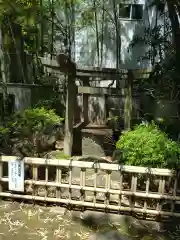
point(64, 64)
point(68, 67)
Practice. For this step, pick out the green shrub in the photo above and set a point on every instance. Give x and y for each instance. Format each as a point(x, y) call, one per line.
point(53, 103)
point(147, 145)
point(59, 155)
point(32, 120)
point(32, 130)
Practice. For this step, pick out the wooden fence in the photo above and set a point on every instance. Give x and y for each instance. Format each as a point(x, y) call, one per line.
point(99, 186)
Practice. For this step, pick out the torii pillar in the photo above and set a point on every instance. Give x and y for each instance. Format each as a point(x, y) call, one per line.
point(69, 68)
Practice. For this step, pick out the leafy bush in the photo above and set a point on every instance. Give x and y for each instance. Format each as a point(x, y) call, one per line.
point(58, 154)
point(147, 145)
point(31, 120)
point(32, 131)
point(53, 103)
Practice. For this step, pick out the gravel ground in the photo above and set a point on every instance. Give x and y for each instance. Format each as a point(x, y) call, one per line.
point(24, 221)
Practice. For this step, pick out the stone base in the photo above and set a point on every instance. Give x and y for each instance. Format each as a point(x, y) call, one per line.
point(97, 141)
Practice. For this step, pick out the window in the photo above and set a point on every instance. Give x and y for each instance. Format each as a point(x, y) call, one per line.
point(124, 11)
point(131, 11)
point(137, 11)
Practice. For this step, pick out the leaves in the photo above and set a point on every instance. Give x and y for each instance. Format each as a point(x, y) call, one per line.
point(32, 131)
point(31, 120)
point(147, 145)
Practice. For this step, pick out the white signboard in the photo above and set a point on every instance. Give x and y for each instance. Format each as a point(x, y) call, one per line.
point(16, 175)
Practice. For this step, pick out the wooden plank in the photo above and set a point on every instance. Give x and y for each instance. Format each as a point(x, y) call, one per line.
point(89, 165)
point(100, 190)
point(89, 204)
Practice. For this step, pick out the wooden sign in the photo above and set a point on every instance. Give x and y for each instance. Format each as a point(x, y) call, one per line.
point(16, 175)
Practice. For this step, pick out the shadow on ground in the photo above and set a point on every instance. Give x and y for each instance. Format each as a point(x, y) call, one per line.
point(121, 227)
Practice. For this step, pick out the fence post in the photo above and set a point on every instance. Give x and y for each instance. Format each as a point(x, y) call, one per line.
point(1, 174)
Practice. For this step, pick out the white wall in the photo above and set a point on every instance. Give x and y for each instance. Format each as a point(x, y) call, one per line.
point(86, 49)
point(22, 97)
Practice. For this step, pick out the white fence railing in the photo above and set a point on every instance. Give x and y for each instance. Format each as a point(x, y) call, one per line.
point(101, 186)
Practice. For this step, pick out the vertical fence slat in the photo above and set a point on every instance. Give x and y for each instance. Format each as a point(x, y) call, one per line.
point(1, 175)
point(160, 191)
point(174, 193)
point(108, 186)
point(133, 189)
point(120, 189)
point(70, 183)
point(95, 185)
point(82, 183)
point(158, 207)
point(46, 181)
point(35, 177)
point(175, 187)
point(58, 180)
point(147, 191)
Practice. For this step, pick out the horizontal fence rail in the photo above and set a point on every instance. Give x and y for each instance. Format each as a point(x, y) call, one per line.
point(101, 186)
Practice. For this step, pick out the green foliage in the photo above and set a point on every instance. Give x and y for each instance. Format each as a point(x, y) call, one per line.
point(115, 118)
point(31, 132)
point(32, 120)
point(60, 155)
point(147, 145)
point(53, 103)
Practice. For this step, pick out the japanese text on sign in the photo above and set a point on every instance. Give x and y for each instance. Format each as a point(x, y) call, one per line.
point(16, 175)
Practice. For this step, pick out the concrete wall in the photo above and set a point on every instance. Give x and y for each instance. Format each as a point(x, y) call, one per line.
point(27, 95)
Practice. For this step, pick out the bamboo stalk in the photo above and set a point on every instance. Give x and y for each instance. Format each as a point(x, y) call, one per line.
point(89, 165)
point(89, 204)
point(108, 186)
point(35, 177)
point(82, 184)
point(58, 181)
point(46, 181)
point(101, 190)
point(133, 190)
point(107, 191)
point(1, 175)
point(120, 189)
point(147, 193)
